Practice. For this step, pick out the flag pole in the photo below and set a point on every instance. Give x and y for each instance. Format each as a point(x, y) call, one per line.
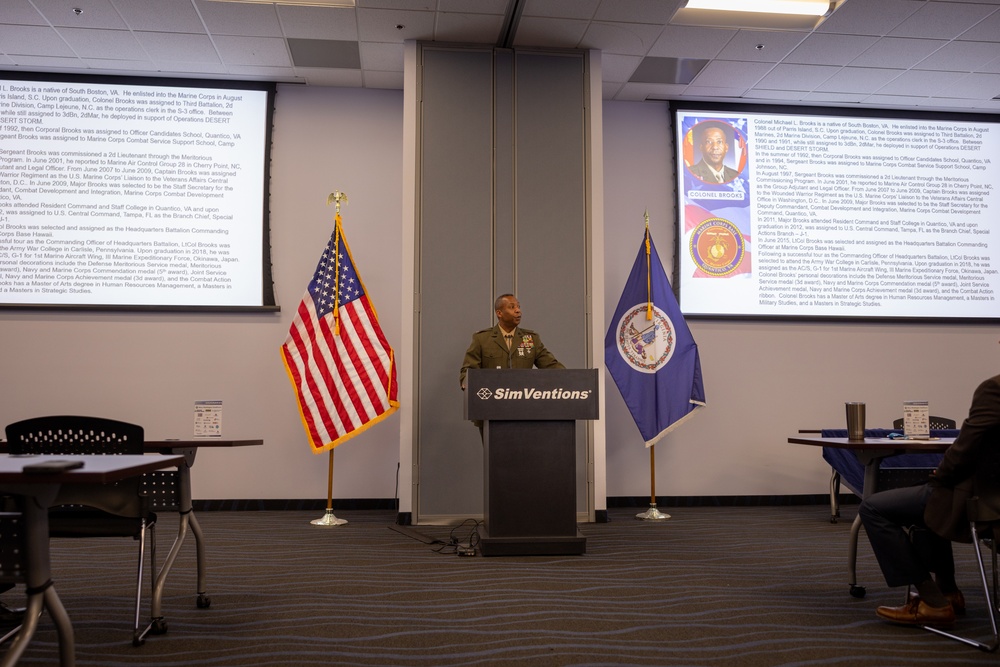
point(652, 514)
point(329, 519)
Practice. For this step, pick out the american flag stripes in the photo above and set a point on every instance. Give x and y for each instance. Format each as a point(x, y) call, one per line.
point(340, 364)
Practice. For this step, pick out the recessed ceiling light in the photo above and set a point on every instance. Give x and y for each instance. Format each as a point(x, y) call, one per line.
point(773, 14)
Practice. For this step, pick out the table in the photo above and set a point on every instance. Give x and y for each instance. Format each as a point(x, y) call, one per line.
point(870, 453)
point(186, 449)
point(40, 492)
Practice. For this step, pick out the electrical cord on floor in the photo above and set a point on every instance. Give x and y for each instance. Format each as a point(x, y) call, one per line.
point(459, 547)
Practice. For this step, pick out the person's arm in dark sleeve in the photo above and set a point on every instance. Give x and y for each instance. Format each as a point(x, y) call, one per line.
point(978, 430)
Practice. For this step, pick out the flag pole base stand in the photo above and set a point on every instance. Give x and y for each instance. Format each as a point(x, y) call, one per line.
point(328, 520)
point(652, 514)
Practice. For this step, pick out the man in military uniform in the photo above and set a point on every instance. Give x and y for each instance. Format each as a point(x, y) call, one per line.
point(507, 345)
point(714, 146)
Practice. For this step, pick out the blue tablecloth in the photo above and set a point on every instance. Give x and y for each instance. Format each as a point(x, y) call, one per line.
point(852, 473)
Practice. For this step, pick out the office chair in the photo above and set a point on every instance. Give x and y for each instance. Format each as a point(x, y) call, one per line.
point(983, 510)
point(114, 510)
point(936, 423)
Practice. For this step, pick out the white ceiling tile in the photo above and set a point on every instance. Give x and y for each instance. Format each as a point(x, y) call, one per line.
point(776, 45)
point(32, 40)
point(796, 77)
point(942, 19)
point(731, 74)
point(230, 18)
point(715, 91)
point(381, 56)
point(498, 7)
point(93, 14)
point(897, 52)
point(988, 105)
point(869, 18)
point(470, 28)
point(834, 98)
point(48, 62)
point(893, 100)
point(691, 42)
point(379, 25)
point(345, 78)
point(108, 66)
point(618, 68)
point(921, 83)
point(187, 38)
point(425, 5)
point(858, 80)
point(564, 9)
point(610, 89)
point(20, 12)
point(192, 68)
point(109, 44)
point(637, 11)
point(265, 73)
point(992, 67)
point(534, 31)
point(829, 49)
point(633, 39)
point(638, 92)
point(960, 56)
point(160, 16)
point(254, 51)
point(318, 22)
point(178, 47)
point(974, 87)
point(984, 31)
point(786, 95)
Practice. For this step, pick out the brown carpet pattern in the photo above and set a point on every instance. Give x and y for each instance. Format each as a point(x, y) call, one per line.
point(711, 586)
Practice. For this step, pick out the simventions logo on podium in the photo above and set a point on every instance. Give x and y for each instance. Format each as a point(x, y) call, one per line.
point(531, 394)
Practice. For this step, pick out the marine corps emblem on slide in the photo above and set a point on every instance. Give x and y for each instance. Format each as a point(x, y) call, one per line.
point(645, 345)
point(717, 247)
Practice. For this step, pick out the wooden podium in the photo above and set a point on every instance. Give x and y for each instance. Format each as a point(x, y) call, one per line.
point(529, 456)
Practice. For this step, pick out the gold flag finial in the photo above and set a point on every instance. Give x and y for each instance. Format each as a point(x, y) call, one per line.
point(336, 196)
point(646, 216)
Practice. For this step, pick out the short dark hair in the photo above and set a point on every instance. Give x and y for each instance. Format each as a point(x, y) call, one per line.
point(704, 126)
point(498, 304)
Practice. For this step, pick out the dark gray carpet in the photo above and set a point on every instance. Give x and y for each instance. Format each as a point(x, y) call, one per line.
point(711, 586)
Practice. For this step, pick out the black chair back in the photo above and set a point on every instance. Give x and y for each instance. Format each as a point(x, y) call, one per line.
point(936, 423)
point(69, 435)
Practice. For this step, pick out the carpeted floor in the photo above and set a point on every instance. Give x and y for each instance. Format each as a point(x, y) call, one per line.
point(711, 586)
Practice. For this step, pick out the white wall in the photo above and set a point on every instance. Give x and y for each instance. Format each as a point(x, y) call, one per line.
point(763, 380)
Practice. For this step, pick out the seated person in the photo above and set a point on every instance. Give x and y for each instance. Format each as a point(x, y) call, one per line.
point(939, 506)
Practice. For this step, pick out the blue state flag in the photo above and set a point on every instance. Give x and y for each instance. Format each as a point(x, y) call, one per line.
point(650, 352)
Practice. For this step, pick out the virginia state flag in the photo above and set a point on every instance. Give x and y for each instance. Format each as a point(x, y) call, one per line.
point(650, 352)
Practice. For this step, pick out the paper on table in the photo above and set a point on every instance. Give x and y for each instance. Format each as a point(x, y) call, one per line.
point(208, 419)
point(916, 419)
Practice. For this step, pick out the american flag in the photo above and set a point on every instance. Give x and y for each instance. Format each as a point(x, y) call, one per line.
point(340, 364)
